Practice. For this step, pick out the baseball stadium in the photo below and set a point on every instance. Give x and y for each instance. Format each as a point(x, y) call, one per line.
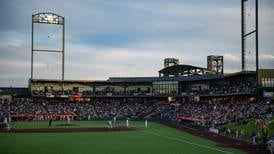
point(186, 109)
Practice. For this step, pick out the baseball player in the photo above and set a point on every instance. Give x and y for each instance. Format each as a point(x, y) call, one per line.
point(146, 123)
point(9, 119)
point(7, 123)
point(270, 145)
point(127, 123)
point(254, 136)
point(50, 121)
point(109, 124)
point(68, 118)
point(114, 119)
point(5, 120)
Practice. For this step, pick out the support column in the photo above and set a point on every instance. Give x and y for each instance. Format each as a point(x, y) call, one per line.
point(257, 46)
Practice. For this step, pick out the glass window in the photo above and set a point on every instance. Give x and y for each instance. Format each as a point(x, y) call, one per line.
point(165, 87)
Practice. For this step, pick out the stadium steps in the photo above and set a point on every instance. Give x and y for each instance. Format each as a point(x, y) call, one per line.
point(148, 110)
point(44, 109)
point(119, 110)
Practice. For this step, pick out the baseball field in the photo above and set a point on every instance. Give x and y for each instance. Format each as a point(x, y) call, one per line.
point(157, 138)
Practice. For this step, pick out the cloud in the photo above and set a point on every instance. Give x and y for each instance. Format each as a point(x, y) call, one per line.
point(228, 71)
point(231, 58)
point(16, 68)
point(101, 63)
point(267, 57)
point(266, 61)
point(129, 38)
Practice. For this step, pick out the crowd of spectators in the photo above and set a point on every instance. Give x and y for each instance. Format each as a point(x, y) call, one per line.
point(224, 89)
point(219, 113)
point(247, 87)
point(4, 109)
point(25, 106)
point(210, 113)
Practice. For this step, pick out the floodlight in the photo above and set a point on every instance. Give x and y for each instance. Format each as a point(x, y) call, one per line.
point(48, 18)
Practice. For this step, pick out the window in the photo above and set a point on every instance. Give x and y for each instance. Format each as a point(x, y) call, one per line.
point(165, 87)
point(267, 82)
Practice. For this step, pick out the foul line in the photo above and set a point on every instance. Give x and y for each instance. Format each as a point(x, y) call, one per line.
point(188, 142)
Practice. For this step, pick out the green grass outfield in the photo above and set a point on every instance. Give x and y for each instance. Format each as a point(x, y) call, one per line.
point(158, 139)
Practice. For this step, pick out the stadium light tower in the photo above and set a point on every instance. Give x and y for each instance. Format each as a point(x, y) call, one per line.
point(245, 34)
point(48, 18)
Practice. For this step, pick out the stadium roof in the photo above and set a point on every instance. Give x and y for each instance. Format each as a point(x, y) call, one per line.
point(178, 78)
point(59, 80)
point(240, 73)
point(13, 91)
point(183, 70)
point(151, 79)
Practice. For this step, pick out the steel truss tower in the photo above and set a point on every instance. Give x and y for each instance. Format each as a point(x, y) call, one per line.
point(245, 34)
point(48, 18)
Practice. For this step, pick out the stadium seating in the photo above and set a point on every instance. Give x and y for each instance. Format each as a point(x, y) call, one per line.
point(211, 113)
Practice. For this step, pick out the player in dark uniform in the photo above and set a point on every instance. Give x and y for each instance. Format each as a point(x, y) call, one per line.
point(50, 121)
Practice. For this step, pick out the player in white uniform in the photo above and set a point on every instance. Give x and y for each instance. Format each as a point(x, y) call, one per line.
point(146, 123)
point(270, 145)
point(68, 118)
point(7, 123)
point(109, 124)
point(9, 119)
point(114, 119)
point(127, 123)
